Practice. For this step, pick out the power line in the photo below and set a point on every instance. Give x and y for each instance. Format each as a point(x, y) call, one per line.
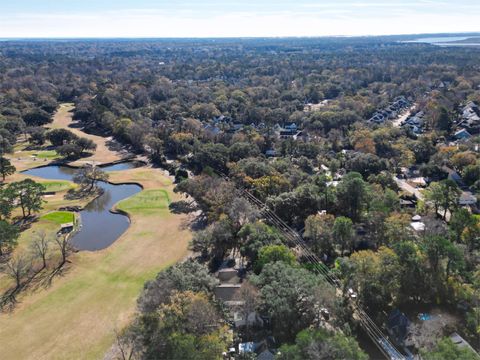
point(369, 326)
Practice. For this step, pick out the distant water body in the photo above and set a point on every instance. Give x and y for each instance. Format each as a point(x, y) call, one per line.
point(436, 40)
point(445, 41)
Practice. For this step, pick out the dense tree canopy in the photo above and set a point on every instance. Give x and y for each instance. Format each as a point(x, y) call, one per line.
point(287, 121)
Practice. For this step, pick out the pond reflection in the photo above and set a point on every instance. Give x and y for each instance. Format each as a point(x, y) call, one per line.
point(99, 226)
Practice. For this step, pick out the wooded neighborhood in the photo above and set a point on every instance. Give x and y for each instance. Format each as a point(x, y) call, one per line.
point(304, 198)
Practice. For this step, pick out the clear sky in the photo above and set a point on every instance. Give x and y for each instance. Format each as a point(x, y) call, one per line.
point(230, 18)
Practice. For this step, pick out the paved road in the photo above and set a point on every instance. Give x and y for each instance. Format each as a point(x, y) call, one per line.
point(399, 120)
point(402, 184)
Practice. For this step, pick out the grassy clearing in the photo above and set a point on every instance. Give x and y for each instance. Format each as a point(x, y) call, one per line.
point(59, 217)
point(21, 151)
point(52, 202)
point(75, 318)
point(144, 177)
point(47, 154)
point(57, 185)
point(25, 159)
point(41, 226)
point(24, 246)
point(146, 202)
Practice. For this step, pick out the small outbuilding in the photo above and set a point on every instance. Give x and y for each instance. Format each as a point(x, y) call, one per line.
point(227, 292)
point(407, 203)
point(228, 275)
point(253, 319)
point(418, 226)
point(418, 181)
point(417, 223)
point(462, 134)
point(66, 228)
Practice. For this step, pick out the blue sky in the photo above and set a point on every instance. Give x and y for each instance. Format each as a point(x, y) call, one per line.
point(215, 18)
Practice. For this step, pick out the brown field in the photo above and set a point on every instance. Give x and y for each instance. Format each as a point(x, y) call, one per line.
point(76, 316)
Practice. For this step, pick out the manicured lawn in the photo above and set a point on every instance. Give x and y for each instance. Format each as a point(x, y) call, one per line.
point(57, 186)
point(25, 159)
point(47, 154)
point(24, 247)
point(76, 317)
point(146, 202)
point(59, 217)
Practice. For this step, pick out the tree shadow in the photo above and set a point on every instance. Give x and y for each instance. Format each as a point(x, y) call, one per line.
point(194, 222)
point(41, 279)
point(82, 193)
point(8, 300)
point(182, 207)
point(24, 223)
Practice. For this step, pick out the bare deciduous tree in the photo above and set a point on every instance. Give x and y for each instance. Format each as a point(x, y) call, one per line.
point(127, 344)
point(65, 248)
point(18, 269)
point(40, 247)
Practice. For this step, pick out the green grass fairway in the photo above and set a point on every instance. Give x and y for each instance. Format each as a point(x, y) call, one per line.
point(76, 316)
point(57, 186)
point(59, 217)
point(146, 202)
point(23, 159)
point(47, 154)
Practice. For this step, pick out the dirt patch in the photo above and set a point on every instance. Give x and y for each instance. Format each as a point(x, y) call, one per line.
point(424, 334)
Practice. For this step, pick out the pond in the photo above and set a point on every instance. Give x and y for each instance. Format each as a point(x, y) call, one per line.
point(100, 227)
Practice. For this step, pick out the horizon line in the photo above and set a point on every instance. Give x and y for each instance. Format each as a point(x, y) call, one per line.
point(231, 37)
